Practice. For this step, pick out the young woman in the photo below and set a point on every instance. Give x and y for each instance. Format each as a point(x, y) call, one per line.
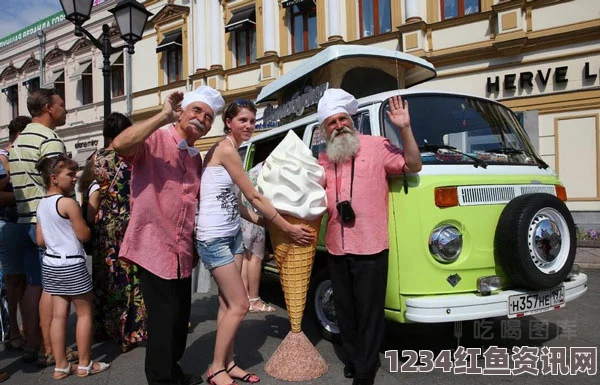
point(61, 230)
point(219, 236)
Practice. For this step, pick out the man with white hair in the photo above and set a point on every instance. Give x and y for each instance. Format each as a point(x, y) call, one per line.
point(357, 167)
point(164, 189)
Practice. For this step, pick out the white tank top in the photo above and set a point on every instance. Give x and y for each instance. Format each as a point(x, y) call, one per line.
point(59, 235)
point(218, 213)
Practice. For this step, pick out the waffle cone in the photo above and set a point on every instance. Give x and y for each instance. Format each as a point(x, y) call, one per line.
point(295, 266)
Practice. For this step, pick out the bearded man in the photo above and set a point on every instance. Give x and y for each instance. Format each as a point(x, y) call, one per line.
point(357, 167)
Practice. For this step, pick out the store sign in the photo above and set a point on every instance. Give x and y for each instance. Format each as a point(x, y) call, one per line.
point(38, 26)
point(33, 29)
point(528, 80)
point(295, 106)
point(86, 145)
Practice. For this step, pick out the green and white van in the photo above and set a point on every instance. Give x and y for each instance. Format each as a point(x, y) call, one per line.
point(482, 231)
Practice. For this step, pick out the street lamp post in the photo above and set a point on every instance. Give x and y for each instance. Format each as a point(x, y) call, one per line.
point(131, 19)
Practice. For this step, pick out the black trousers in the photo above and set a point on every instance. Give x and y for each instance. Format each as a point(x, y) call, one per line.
point(359, 287)
point(168, 304)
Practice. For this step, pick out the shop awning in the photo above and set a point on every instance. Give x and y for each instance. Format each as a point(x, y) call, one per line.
point(52, 79)
point(170, 42)
point(241, 20)
point(82, 156)
point(114, 58)
point(84, 68)
point(291, 3)
point(55, 75)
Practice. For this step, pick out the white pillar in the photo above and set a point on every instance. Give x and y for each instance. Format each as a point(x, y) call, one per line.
point(216, 32)
point(201, 59)
point(269, 26)
point(333, 18)
point(412, 10)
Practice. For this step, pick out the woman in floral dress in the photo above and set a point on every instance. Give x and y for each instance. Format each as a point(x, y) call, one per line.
point(120, 313)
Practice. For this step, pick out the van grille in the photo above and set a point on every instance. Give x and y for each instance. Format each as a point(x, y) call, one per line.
point(486, 195)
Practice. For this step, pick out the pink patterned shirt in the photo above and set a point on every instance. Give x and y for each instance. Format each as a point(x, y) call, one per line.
point(376, 159)
point(165, 182)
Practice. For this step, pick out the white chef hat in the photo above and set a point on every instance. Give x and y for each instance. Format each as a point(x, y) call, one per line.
point(206, 95)
point(334, 101)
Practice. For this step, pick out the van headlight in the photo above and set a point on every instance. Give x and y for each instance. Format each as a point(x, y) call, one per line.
point(445, 243)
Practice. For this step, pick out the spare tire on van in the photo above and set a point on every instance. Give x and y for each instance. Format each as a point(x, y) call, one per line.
point(535, 241)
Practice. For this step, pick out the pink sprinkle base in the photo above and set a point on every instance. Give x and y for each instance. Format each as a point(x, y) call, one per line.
point(296, 359)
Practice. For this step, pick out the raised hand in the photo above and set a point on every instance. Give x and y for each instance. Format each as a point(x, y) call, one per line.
point(172, 106)
point(398, 112)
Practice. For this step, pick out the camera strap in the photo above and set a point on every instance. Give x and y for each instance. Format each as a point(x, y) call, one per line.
point(336, 192)
point(351, 181)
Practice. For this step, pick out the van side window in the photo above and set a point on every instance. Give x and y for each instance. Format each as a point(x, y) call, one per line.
point(263, 148)
point(318, 141)
point(242, 151)
point(362, 122)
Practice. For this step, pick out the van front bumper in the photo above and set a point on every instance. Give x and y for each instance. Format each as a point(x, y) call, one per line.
point(471, 306)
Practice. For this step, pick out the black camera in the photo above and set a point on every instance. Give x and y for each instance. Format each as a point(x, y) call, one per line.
point(346, 212)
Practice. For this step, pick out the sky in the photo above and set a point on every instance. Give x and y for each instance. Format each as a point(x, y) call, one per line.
point(18, 14)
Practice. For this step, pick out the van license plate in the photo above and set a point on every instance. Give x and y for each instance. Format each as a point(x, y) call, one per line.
point(537, 302)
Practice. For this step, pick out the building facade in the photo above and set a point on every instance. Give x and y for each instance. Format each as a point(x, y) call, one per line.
point(539, 57)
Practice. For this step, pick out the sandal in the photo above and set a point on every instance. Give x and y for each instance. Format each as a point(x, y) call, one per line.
point(63, 372)
point(265, 308)
point(47, 359)
point(89, 370)
point(249, 377)
point(128, 347)
point(209, 377)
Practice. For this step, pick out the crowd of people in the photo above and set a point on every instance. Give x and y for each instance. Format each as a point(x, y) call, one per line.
point(152, 207)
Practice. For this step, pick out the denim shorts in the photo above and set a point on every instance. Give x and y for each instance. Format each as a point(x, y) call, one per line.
point(32, 255)
point(11, 248)
point(217, 252)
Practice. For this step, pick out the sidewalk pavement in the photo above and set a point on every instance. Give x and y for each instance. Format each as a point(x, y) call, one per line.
point(588, 257)
point(257, 339)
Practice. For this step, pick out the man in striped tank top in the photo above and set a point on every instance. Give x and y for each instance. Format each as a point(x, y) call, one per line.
point(36, 141)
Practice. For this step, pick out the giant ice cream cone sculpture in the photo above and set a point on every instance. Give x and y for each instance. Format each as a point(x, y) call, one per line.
point(295, 266)
point(293, 181)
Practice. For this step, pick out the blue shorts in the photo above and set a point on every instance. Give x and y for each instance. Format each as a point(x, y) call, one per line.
point(217, 252)
point(32, 256)
point(11, 250)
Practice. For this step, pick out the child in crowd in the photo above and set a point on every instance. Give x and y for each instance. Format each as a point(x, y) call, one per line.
point(61, 230)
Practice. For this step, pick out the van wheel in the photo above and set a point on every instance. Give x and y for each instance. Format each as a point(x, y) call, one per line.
point(320, 298)
point(535, 241)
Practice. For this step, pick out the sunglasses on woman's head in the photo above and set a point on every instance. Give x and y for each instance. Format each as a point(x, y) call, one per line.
point(57, 159)
point(243, 103)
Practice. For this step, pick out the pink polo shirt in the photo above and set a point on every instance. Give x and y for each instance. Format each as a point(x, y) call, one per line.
point(164, 190)
point(376, 159)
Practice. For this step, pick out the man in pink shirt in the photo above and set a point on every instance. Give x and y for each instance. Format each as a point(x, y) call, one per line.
point(165, 181)
point(356, 167)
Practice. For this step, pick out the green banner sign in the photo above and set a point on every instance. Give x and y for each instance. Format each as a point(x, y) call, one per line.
point(32, 29)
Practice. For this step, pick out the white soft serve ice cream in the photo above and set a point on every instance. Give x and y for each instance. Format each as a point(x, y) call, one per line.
point(293, 181)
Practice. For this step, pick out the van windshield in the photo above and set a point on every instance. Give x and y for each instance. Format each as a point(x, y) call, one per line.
point(453, 129)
